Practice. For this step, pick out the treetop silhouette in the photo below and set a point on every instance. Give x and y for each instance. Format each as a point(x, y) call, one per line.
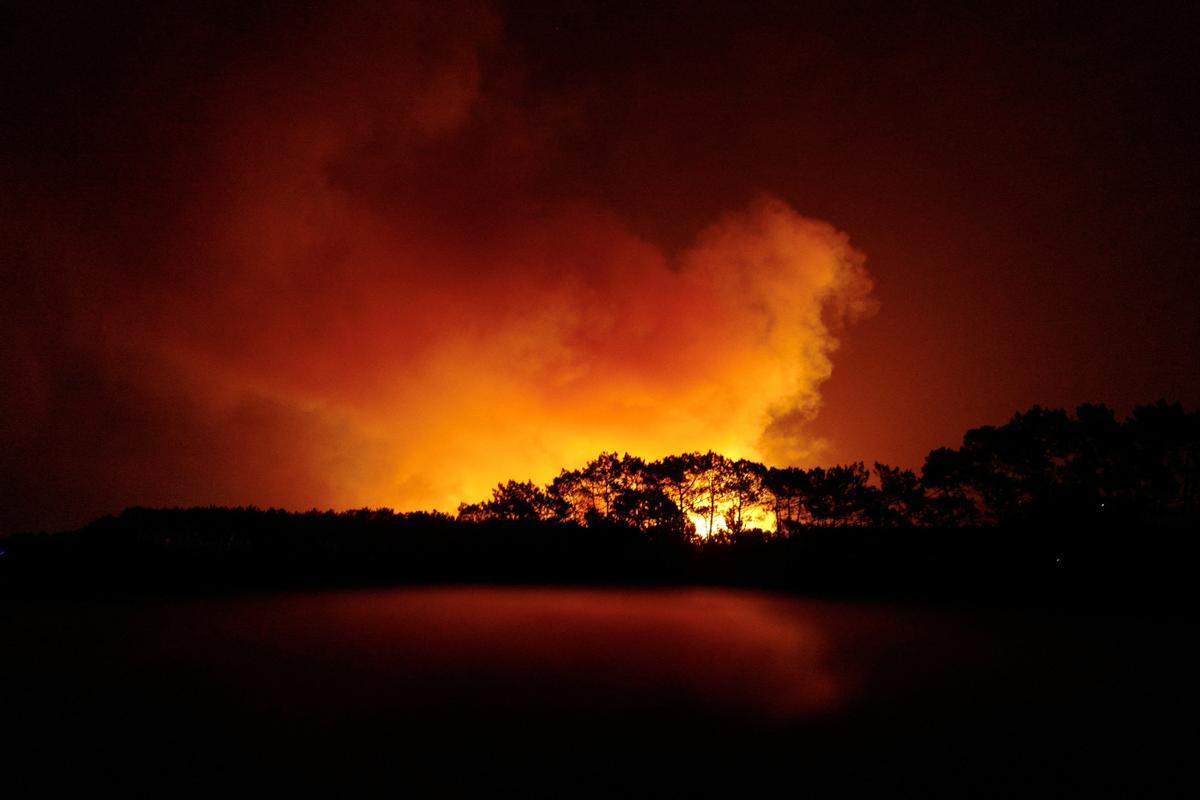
point(1043, 465)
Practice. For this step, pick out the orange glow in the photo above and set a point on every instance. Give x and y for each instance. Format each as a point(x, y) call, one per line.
point(359, 297)
point(422, 345)
point(761, 518)
point(436, 400)
point(731, 650)
point(390, 253)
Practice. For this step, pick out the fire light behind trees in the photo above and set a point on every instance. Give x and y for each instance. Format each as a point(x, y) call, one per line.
point(696, 494)
point(345, 254)
point(1042, 466)
point(367, 284)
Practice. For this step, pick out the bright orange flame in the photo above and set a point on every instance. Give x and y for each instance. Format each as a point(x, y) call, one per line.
point(760, 518)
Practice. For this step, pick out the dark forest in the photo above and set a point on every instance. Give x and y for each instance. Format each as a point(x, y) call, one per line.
point(1045, 506)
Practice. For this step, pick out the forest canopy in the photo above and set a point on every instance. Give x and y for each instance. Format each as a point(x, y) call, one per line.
point(1049, 502)
point(1043, 465)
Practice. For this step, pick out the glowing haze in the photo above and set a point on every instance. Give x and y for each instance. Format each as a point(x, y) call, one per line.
point(334, 278)
point(388, 253)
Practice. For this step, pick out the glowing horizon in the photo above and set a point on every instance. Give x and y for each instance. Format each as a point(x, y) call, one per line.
point(391, 254)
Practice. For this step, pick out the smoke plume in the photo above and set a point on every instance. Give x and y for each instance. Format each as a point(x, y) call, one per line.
point(344, 264)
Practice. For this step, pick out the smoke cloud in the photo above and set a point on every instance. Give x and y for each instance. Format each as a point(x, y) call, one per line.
point(344, 264)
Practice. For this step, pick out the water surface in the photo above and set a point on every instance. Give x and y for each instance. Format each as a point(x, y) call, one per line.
point(448, 690)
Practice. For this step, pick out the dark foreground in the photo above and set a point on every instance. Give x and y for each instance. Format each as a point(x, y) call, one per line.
point(567, 692)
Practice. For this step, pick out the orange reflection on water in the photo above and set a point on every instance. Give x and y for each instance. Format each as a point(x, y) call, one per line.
point(746, 654)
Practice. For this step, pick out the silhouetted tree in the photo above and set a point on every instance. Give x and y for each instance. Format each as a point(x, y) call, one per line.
point(901, 500)
point(679, 477)
point(1049, 466)
point(1165, 444)
point(839, 495)
point(1043, 465)
point(517, 502)
point(712, 488)
point(744, 490)
point(653, 511)
point(787, 489)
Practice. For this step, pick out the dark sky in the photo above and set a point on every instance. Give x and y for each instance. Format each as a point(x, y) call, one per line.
point(388, 254)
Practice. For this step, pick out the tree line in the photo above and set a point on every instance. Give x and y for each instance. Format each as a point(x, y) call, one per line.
point(1042, 466)
point(1050, 504)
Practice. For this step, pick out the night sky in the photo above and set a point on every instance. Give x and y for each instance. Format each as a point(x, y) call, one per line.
point(335, 255)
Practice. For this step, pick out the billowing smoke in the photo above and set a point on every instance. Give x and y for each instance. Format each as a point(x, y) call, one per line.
point(343, 267)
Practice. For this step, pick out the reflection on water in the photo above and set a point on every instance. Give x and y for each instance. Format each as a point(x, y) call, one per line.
point(561, 692)
point(583, 648)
